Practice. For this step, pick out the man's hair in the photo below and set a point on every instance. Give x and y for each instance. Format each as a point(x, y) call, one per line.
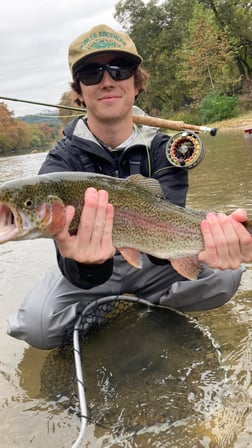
point(140, 76)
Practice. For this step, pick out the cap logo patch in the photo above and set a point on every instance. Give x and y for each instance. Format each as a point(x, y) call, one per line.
point(102, 40)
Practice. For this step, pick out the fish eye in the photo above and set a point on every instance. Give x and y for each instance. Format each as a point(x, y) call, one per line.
point(28, 203)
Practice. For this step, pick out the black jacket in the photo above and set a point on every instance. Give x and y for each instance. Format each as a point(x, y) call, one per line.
point(79, 150)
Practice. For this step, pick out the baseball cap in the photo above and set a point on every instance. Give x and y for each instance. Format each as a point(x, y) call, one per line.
point(101, 40)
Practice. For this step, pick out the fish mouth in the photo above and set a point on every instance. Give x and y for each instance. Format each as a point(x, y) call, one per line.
point(13, 225)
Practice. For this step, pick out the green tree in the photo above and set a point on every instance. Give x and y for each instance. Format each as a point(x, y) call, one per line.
point(207, 61)
point(236, 17)
point(38, 138)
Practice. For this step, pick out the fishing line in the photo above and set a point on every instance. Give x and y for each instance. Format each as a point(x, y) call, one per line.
point(92, 307)
point(55, 116)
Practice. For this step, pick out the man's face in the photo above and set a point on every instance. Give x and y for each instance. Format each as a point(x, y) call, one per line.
point(109, 99)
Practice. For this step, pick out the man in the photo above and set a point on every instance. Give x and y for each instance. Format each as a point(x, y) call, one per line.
point(107, 78)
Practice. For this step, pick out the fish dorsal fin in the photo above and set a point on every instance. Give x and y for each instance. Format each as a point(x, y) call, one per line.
point(147, 183)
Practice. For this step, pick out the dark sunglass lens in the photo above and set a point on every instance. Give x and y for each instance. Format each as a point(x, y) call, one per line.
point(120, 73)
point(91, 76)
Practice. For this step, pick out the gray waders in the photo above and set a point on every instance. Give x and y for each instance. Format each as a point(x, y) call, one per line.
point(53, 305)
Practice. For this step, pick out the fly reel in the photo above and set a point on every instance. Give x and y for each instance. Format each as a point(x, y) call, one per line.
point(185, 150)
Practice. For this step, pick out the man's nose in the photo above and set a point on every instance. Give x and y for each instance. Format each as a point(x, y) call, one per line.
point(107, 78)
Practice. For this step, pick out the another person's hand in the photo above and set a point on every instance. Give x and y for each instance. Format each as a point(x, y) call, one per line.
point(227, 242)
point(93, 242)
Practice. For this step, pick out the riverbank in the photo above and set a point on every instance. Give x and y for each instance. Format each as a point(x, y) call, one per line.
point(242, 122)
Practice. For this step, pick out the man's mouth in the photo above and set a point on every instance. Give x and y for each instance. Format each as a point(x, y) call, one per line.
point(109, 98)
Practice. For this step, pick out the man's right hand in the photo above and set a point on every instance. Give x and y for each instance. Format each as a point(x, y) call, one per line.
point(93, 242)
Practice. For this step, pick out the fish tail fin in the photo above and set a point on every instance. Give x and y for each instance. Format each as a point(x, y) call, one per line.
point(248, 225)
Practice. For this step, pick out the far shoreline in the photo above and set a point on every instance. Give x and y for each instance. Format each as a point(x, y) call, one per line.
point(239, 123)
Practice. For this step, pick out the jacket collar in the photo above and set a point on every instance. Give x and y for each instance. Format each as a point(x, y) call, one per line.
point(143, 135)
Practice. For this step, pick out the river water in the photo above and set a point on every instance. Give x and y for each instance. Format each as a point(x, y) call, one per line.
point(153, 378)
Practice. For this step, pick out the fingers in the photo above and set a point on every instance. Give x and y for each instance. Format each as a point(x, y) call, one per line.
point(93, 242)
point(245, 238)
point(96, 222)
point(239, 215)
point(221, 234)
point(93, 218)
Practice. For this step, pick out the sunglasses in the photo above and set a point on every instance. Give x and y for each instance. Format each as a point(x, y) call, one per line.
point(93, 73)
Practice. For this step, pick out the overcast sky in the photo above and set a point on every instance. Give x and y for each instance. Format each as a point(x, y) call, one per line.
point(34, 40)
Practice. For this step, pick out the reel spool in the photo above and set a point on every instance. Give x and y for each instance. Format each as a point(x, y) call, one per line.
point(185, 150)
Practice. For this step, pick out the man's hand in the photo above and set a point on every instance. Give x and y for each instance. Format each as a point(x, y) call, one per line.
point(227, 242)
point(93, 242)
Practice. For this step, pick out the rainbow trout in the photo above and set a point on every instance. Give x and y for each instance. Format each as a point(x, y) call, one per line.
point(34, 207)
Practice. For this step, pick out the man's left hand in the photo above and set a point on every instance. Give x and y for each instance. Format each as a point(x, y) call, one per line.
point(227, 242)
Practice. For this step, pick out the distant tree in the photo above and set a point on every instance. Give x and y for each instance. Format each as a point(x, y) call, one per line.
point(68, 99)
point(207, 60)
point(49, 132)
point(38, 138)
point(8, 129)
point(23, 135)
point(16, 134)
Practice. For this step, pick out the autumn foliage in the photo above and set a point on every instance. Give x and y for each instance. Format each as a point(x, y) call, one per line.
point(17, 135)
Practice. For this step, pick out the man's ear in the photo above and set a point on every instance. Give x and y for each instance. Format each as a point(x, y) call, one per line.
point(80, 101)
point(136, 92)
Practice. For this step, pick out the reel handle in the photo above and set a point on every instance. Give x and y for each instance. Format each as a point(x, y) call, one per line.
point(171, 124)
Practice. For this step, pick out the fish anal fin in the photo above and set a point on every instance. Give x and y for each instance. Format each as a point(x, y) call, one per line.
point(132, 256)
point(188, 267)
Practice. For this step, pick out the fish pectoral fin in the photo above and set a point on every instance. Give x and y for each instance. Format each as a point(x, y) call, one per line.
point(188, 267)
point(132, 256)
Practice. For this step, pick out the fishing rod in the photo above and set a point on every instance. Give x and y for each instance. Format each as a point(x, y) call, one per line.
point(138, 119)
point(184, 149)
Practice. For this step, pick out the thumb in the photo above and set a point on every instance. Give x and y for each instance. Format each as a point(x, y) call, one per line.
point(239, 215)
